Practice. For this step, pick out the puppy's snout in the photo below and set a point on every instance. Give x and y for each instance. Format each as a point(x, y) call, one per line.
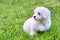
point(34, 16)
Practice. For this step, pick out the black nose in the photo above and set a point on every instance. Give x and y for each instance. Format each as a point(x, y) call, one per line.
point(34, 16)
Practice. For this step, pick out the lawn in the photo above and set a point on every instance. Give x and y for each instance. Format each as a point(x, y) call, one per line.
point(13, 13)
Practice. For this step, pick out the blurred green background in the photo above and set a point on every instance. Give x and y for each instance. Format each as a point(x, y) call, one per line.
point(13, 13)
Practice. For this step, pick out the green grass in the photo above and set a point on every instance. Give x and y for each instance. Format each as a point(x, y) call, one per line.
point(13, 13)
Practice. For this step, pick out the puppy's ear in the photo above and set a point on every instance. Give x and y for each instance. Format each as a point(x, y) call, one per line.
point(46, 14)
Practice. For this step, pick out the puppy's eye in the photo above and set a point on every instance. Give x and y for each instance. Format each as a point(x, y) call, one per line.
point(39, 13)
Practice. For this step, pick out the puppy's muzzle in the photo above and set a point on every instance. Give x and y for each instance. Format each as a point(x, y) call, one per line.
point(34, 16)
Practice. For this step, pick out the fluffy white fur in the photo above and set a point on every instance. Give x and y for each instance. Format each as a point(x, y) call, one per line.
point(41, 21)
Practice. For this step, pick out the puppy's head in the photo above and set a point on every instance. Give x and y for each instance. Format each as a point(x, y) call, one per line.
point(41, 13)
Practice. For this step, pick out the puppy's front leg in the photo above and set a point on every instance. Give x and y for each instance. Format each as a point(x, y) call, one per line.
point(42, 28)
point(32, 31)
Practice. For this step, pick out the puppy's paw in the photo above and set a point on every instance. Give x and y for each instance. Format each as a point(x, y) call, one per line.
point(32, 33)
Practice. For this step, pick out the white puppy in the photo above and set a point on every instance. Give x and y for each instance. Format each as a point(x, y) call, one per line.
point(40, 21)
